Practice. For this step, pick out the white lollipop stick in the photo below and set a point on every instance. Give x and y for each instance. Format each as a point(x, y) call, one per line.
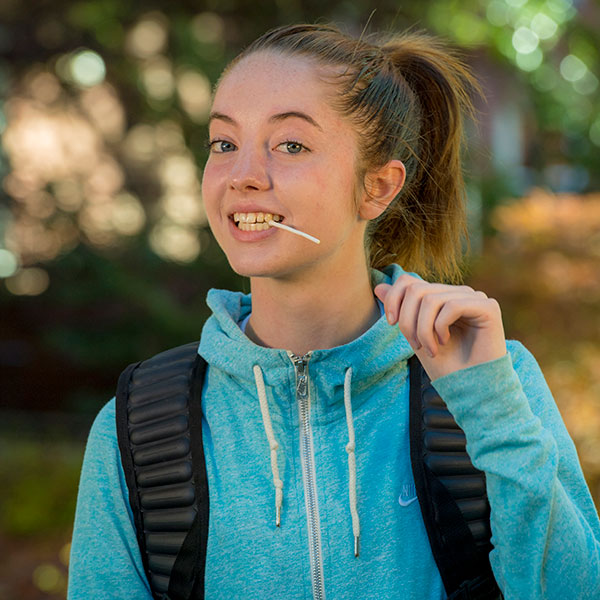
point(292, 230)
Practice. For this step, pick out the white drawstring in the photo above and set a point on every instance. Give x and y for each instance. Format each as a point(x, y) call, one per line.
point(273, 445)
point(350, 447)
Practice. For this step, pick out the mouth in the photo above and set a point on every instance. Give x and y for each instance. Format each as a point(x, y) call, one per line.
point(254, 221)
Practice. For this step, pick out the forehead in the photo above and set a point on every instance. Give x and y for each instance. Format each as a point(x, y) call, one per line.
point(265, 83)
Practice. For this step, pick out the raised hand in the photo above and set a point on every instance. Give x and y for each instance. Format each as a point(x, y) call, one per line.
point(449, 327)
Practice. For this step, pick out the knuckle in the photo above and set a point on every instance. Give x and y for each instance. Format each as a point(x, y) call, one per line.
point(428, 300)
point(407, 279)
point(453, 303)
point(494, 304)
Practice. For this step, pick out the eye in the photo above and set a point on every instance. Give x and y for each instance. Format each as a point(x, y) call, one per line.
point(292, 147)
point(221, 146)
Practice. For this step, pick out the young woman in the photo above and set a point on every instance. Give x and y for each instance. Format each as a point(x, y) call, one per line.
point(305, 397)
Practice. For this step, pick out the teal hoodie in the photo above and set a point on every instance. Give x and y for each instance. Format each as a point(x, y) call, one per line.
point(545, 529)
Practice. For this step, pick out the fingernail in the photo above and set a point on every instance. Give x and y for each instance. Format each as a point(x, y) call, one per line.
point(390, 317)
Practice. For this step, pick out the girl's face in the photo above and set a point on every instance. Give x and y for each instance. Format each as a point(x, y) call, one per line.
point(277, 147)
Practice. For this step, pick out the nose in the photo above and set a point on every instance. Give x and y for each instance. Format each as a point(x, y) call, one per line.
point(249, 172)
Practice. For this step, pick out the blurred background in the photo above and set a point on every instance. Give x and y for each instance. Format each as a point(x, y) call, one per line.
point(105, 255)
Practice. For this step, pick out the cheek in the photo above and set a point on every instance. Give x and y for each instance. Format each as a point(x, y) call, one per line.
point(212, 182)
point(338, 188)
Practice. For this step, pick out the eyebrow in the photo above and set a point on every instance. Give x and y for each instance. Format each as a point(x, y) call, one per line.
point(295, 114)
point(274, 119)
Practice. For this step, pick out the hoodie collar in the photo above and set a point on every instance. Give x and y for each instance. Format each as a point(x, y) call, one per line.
point(226, 347)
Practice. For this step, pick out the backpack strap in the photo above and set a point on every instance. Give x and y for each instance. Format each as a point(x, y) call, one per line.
point(164, 466)
point(451, 492)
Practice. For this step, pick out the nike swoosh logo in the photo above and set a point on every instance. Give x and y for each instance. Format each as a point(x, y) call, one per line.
point(402, 502)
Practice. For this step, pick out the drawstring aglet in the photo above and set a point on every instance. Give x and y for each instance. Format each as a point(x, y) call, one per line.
point(278, 517)
point(356, 546)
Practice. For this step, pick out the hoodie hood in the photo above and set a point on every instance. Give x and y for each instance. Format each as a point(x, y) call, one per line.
point(226, 347)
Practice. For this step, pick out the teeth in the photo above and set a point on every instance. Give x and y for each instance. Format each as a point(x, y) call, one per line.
point(253, 226)
point(255, 221)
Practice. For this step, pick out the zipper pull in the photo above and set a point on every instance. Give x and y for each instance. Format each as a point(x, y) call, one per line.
point(301, 385)
point(301, 363)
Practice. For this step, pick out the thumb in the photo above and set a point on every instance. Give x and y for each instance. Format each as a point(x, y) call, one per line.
point(381, 290)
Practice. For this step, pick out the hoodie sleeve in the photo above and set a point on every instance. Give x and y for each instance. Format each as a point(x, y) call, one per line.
point(105, 559)
point(545, 528)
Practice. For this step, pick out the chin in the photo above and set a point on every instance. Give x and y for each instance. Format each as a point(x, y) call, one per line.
point(253, 268)
point(278, 268)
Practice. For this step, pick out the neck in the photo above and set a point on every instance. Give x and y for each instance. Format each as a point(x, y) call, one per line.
point(300, 316)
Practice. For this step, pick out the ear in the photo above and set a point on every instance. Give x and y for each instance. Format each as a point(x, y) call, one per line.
point(381, 186)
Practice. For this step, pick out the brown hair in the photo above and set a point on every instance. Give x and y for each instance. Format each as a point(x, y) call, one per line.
point(406, 95)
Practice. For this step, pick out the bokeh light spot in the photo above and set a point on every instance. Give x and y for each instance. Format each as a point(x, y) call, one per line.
point(184, 208)
point(47, 578)
point(543, 26)
point(104, 108)
point(497, 13)
point(28, 282)
point(175, 242)
point(8, 263)
point(468, 28)
point(149, 36)
point(531, 61)
point(572, 68)
point(563, 9)
point(87, 68)
point(595, 132)
point(588, 84)
point(208, 27)
point(524, 40)
point(64, 554)
point(195, 94)
point(128, 216)
point(140, 144)
point(157, 78)
point(168, 136)
point(179, 172)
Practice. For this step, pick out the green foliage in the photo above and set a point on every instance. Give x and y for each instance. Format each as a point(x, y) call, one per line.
point(39, 486)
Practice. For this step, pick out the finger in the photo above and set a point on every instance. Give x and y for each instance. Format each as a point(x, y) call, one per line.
point(409, 312)
point(395, 296)
point(442, 329)
point(476, 310)
point(432, 303)
point(381, 290)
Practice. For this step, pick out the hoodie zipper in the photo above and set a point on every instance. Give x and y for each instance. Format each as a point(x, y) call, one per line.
point(308, 474)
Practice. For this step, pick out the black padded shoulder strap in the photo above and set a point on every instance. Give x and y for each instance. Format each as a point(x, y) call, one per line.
point(451, 493)
point(159, 430)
